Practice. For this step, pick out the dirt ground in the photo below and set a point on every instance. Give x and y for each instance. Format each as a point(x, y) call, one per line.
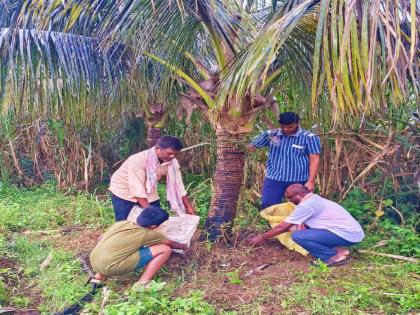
point(206, 267)
point(212, 267)
point(12, 278)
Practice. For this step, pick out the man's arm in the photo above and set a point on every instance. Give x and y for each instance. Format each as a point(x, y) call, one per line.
point(175, 245)
point(259, 142)
point(313, 170)
point(188, 205)
point(250, 148)
point(277, 230)
point(143, 202)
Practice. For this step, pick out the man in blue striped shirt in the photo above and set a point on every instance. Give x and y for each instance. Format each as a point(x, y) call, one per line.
point(293, 158)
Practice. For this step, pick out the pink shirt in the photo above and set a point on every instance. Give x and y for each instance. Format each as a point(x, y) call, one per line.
point(129, 181)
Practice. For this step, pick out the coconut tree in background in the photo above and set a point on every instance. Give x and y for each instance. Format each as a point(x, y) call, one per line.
point(61, 71)
point(158, 93)
point(356, 51)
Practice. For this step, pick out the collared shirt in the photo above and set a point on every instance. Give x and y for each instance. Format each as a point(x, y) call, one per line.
point(320, 213)
point(288, 159)
point(129, 181)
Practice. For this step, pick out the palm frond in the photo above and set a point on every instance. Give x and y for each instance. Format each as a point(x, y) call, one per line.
point(42, 71)
point(370, 54)
point(286, 41)
point(161, 26)
point(71, 56)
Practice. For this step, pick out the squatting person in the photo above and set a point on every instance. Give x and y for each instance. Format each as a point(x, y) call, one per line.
point(329, 226)
point(127, 247)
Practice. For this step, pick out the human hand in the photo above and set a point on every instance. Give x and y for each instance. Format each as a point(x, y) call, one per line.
point(190, 210)
point(256, 240)
point(310, 185)
point(250, 148)
point(300, 227)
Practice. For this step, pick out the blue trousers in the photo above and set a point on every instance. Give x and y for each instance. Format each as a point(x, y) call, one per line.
point(273, 191)
point(320, 243)
point(123, 207)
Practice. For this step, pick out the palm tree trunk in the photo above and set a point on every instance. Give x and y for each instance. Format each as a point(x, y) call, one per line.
point(227, 183)
point(153, 134)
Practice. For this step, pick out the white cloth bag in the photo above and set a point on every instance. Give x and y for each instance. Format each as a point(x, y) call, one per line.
point(179, 228)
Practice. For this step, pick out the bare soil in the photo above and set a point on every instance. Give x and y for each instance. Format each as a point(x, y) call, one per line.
point(205, 267)
point(213, 265)
point(13, 279)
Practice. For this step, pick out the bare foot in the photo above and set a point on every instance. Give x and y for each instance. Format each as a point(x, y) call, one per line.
point(338, 257)
point(342, 251)
point(100, 277)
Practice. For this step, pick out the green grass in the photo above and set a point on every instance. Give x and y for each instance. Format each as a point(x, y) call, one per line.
point(157, 300)
point(46, 208)
point(374, 285)
point(371, 285)
point(59, 283)
point(43, 209)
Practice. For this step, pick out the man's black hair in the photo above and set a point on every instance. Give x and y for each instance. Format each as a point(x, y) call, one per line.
point(152, 216)
point(166, 142)
point(288, 118)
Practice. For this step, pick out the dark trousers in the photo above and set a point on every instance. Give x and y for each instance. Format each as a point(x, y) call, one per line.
point(320, 243)
point(273, 191)
point(123, 207)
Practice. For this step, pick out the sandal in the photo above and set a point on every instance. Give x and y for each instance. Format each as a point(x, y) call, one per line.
point(94, 282)
point(330, 263)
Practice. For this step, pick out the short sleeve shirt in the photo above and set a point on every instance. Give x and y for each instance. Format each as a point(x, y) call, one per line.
point(288, 158)
point(320, 213)
point(129, 181)
point(118, 251)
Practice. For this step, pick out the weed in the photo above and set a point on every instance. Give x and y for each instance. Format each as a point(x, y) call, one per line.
point(355, 290)
point(3, 296)
point(60, 282)
point(46, 208)
point(234, 276)
point(156, 300)
point(20, 301)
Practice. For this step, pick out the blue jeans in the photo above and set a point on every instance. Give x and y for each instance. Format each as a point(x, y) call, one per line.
point(123, 207)
point(320, 243)
point(273, 191)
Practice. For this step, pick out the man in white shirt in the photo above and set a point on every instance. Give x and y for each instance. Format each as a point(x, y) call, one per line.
point(135, 182)
point(330, 226)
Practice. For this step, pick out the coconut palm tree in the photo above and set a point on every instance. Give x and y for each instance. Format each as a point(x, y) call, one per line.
point(362, 54)
point(360, 64)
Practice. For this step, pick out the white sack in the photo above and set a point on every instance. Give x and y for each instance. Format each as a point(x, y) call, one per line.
point(177, 228)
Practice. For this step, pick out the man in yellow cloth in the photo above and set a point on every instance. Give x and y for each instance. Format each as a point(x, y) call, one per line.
point(135, 182)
